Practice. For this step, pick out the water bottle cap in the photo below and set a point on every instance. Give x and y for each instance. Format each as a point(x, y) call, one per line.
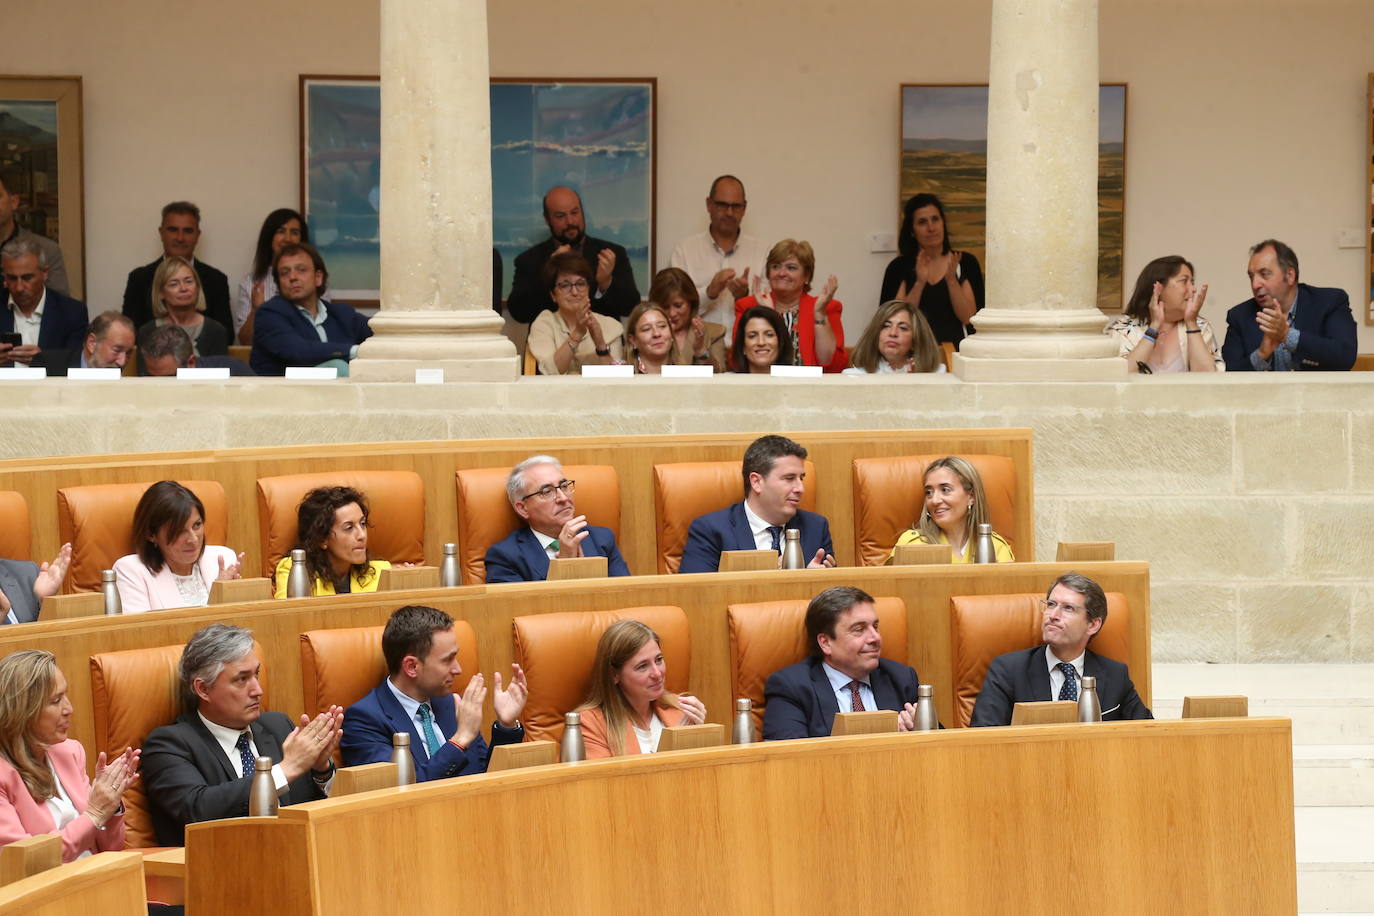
point(744, 704)
point(572, 718)
point(925, 690)
point(450, 550)
point(263, 764)
point(792, 534)
point(1089, 682)
point(400, 739)
point(297, 555)
point(984, 528)
point(107, 575)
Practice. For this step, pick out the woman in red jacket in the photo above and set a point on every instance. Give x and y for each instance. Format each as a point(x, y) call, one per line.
point(813, 323)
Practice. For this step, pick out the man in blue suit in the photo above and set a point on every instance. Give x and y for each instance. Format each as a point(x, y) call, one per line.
point(416, 697)
point(774, 481)
point(1288, 325)
point(845, 671)
point(542, 496)
point(297, 328)
point(42, 317)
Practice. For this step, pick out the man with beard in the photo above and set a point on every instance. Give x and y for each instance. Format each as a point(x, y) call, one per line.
point(297, 328)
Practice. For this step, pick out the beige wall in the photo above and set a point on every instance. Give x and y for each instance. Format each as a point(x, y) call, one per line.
point(1245, 120)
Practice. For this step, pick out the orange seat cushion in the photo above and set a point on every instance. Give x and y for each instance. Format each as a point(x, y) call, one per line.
point(14, 533)
point(339, 667)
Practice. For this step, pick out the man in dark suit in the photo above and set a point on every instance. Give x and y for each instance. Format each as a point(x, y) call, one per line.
point(1287, 325)
point(1075, 608)
point(163, 350)
point(200, 768)
point(44, 318)
point(180, 232)
point(109, 341)
point(774, 480)
point(615, 294)
point(416, 696)
point(11, 180)
point(843, 672)
point(296, 327)
point(24, 585)
point(542, 496)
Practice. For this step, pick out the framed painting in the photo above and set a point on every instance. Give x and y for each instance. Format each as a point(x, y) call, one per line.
point(944, 152)
point(1369, 203)
point(40, 143)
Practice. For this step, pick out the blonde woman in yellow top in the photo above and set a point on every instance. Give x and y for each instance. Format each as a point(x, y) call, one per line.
point(954, 508)
point(331, 526)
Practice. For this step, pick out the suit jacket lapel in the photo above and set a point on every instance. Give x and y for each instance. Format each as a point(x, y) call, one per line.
point(590, 548)
point(212, 747)
point(266, 743)
point(825, 694)
point(400, 722)
point(1039, 674)
point(535, 557)
point(739, 527)
point(884, 690)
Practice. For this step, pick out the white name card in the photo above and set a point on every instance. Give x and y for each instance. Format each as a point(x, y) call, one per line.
point(94, 375)
point(22, 373)
point(599, 371)
point(429, 376)
point(217, 372)
point(796, 371)
point(688, 371)
point(311, 372)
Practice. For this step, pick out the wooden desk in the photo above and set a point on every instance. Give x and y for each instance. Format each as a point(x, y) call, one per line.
point(1179, 816)
point(108, 884)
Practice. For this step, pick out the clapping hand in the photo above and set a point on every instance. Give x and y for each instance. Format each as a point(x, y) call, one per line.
point(231, 571)
point(1156, 307)
point(739, 286)
point(112, 779)
point(510, 702)
point(821, 560)
point(763, 295)
point(50, 575)
point(605, 265)
point(1193, 306)
point(832, 285)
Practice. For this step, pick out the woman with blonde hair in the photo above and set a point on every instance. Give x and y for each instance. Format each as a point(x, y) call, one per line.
point(955, 505)
point(627, 705)
point(649, 336)
point(43, 782)
point(898, 339)
point(178, 299)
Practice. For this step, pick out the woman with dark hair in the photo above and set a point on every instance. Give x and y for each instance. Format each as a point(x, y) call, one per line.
point(258, 285)
point(946, 285)
point(695, 340)
point(331, 527)
point(1161, 330)
point(813, 323)
point(171, 566)
point(627, 705)
point(761, 342)
point(955, 505)
point(898, 339)
point(573, 336)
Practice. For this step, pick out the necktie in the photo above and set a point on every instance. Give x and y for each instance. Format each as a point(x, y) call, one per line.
point(857, 702)
point(427, 729)
point(1070, 689)
point(246, 754)
point(776, 532)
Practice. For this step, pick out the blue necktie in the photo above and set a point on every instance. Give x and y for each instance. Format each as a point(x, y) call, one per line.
point(776, 532)
point(427, 729)
point(246, 754)
point(1070, 689)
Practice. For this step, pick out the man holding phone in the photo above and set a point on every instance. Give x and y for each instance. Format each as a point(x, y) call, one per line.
point(37, 318)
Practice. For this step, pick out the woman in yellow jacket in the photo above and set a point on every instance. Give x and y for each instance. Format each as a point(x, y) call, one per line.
point(955, 506)
point(331, 527)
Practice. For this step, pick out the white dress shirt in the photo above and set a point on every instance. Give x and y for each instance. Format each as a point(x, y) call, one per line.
point(228, 739)
point(28, 325)
point(1057, 674)
point(702, 258)
point(839, 682)
point(648, 737)
point(763, 538)
point(412, 710)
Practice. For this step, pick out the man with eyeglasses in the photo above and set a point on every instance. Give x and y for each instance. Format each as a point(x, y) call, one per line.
point(722, 260)
point(542, 496)
point(1073, 611)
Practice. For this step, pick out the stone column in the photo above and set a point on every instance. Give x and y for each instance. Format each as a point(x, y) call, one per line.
point(1041, 319)
point(435, 199)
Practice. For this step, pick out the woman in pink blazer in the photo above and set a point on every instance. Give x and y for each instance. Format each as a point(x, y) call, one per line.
point(627, 706)
point(43, 782)
point(171, 566)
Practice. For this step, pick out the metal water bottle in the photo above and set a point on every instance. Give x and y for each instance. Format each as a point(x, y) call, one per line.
point(983, 551)
point(926, 720)
point(262, 795)
point(744, 722)
point(448, 569)
point(403, 758)
point(791, 550)
point(1089, 706)
point(573, 748)
point(110, 592)
point(298, 579)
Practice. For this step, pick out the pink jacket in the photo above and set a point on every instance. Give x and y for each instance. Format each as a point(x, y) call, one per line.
point(140, 590)
point(21, 816)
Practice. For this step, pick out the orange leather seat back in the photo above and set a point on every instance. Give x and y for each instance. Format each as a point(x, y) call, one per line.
point(98, 520)
point(14, 533)
point(557, 650)
point(132, 693)
point(396, 510)
point(682, 492)
point(889, 494)
point(339, 667)
point(983, 627)
point(766, 636)
point(485, 515)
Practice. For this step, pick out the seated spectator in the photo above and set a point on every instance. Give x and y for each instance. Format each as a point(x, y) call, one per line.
point(162, 351)
point(898, 339)
point(177, 300)
point(416, 697)
point(109, 341)
point(650, 339)
point(171, 566)
point(200, 767)
point(695, 340)
point(43, 783)
point(11, 181)
point(844, 671)
point(774, 481)
point(297, 327)
point(955, 506)
point(761, 342)
point(180, 233)
point(813, 324)
point(542, 496)
point(282, 227)
point(1161, 329)
point(1074, 610)
point(331, 527)
point(43, 318)
point(627, 705)
point(24, 585)
point(946, 285)
point(573, 336)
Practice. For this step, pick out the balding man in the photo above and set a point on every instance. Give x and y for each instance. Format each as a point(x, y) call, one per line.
point(109, 341)
point(723, 260)
point(615, 293)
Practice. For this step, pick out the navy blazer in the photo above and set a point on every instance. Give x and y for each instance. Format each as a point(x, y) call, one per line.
point(1326, 332)
point(728, 529)
point(529, 296)
point(138, 293)
point(800, 703)
point(62, 327)
point(370, 723)
point(283, 337)
point(519, 558)
point(1023, 677)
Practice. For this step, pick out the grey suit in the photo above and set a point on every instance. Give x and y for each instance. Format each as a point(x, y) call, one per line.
point(16, 581)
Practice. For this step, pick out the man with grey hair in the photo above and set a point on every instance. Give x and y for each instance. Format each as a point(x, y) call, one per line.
point(163, 350)
point(38, 318)
point(179, 233)
point(10, 231)
point(109, 341)
point(200, 768)
point(542, 496)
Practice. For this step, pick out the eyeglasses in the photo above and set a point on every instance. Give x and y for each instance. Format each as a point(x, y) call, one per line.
point(1048, 606)
point(572, 286)
point(546, 492)
point(732, 207)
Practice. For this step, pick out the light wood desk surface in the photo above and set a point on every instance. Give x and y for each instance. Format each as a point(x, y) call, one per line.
point(108, 884)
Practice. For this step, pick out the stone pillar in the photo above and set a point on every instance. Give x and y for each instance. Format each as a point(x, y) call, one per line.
point(1041, 319)
point(435, 214)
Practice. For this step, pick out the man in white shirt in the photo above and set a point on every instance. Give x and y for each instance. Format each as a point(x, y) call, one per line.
point(722, 261)
point(41, 317)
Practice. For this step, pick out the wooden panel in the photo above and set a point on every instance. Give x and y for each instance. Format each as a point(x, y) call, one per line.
point(1085, 551)
point(524, 754)
point(691, 737)
point(920, 555)
point(365, 778)
point(110, 884)
point(748, 560)
point(401, 578)
point(1047, 712)
point(873, 722)
point(67, 607)
point(29, 856)
point(1215, 707)
point(561, 568)
point(239, 591)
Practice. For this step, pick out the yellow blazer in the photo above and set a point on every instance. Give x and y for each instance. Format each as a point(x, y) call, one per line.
point(594, 730)
point(367, 582)
point(999, 546)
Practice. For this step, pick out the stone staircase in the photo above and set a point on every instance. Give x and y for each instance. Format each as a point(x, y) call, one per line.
point(1332, 708)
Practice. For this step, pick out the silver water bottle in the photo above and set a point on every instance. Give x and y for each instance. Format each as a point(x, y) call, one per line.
point(262, 794)
point(1089, 706)
point(744, 722)
point(403, 758)
point(298, 579)
point(573, 748)
point(983, 551)
point(110, 592)
point(448, 569)
point(926, 720)
point(791, 550)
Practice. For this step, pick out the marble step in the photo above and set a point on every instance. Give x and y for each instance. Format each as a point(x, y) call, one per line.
point(1315, 720)
point(1333, 775)
point(1335, 848)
